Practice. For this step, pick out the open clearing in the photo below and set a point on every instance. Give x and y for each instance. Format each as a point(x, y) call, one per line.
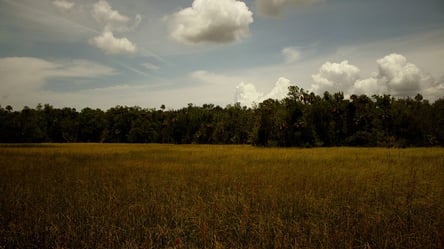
point(199, 196)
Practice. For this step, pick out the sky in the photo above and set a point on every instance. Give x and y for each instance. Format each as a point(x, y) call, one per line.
point(148, 53)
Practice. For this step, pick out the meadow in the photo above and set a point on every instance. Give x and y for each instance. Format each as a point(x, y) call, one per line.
point(210, 196)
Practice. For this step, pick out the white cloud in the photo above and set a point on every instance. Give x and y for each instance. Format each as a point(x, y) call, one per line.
point(276, 7)
point(113, 21)
point(213, 21)
point(23, 77)
point(395, 76)
point(247, 95)
point(112, 45)
point(23, 73)
point(24, 80)
point(334, 77)
point(291, 54)
point(103, 13)
point(400, 76)
point(369, 86)
point(63, 4)
point(30, 71)
point(280, 89)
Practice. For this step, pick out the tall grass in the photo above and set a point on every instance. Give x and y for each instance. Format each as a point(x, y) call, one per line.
point(170, 196)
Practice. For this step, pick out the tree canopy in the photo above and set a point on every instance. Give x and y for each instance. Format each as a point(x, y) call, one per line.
point(301, 119)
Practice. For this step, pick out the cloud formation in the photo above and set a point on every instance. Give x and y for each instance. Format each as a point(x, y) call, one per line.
point(112, 45)
point(247, 95)
point(400, 76)
point(334, 77)
point(23, 77)
point(63, 4)
point(32, 67)
point(103, 13)
point(291, 54)
point(276, 7)
point(113, 21)
point(395, 76)
point(212, 21)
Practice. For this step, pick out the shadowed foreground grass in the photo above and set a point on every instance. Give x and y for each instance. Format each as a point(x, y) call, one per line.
point(171, 196)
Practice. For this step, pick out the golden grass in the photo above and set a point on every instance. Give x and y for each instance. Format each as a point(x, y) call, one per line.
point(202, 196)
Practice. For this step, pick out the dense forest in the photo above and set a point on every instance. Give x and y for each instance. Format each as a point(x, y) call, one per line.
point(301, 119)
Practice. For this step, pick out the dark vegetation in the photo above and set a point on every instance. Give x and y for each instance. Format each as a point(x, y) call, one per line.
point(302, 119)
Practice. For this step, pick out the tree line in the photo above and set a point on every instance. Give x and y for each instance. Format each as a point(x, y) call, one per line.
point(301, 119)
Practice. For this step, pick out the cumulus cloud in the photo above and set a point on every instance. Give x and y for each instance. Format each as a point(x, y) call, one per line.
point(113, 21)
point(395, 76)
point(291, 54)
point(103, 12)
point(212, 21)
point(247, 95)
point(276, 7)
point(334, 77)
point(63, 4)
point(112, 45)
point(400, 76)
point(369, 86)
point(280, 89)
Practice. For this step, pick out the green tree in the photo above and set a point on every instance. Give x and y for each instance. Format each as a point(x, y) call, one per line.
point(119, 120)
point(438, 121)
point(92, 124)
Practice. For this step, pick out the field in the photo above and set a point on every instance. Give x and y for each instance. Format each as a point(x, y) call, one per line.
point(198, 196)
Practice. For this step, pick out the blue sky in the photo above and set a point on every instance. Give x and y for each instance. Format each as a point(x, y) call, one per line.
point(103, 53)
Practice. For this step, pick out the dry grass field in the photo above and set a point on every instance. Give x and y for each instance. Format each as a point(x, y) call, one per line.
point(198, 196)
